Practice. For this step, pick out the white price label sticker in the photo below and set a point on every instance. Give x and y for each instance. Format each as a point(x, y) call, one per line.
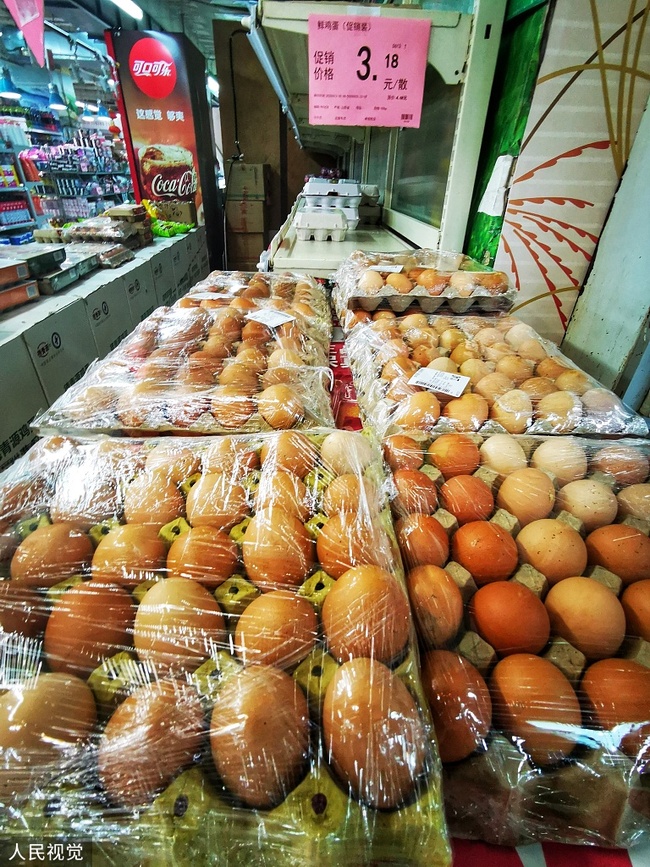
point(439, 380)
point(386, 268)
point(271, 318)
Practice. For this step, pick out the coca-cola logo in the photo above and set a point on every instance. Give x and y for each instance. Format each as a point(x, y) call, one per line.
point(152, 68)
point(179, 187)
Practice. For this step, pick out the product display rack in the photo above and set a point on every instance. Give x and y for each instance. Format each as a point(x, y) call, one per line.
point(24, 188)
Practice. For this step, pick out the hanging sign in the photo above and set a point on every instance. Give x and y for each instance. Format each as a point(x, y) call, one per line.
point(29, 16)
point(366, 70)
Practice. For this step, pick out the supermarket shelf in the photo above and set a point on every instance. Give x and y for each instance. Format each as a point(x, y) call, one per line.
point(18, 226)
point(39, 131)
point(85, 196)
point(94, 174)
point(19, 189)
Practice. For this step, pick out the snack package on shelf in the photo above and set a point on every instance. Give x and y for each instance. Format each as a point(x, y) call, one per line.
point(528, 569)
point(290, 292)
point(208, 656)
point(205, 370)
point(426, 280)
point(474, 373)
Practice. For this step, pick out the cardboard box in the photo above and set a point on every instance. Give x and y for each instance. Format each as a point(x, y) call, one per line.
point(107, 310)
point(247, 215)
point(140, 291)
point(12, 271)
point(22, 398)
point(162, 272)
point(14, 296)
point(248, 181)
point(60, 344)
point(180, 262)
point(245, 249)
point(177, 212)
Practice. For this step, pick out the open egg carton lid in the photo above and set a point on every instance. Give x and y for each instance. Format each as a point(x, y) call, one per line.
point(321, 224)
point(428, 279)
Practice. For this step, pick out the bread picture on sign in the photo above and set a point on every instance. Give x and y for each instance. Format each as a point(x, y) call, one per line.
point(168, 172)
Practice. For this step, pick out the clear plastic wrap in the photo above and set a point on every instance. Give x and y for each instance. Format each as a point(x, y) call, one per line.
point(204, 370)
point(425, 279)
point(528, 569)
point(100, 229)
point(474, 373)
point(209, 656)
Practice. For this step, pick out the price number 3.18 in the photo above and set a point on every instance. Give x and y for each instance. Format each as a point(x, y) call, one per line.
point(364, 54)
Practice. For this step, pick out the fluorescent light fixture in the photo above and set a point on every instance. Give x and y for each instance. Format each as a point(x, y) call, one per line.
point(7, 87)
point(130, 8)
point(92, 107)
point(213, 85)
point(80, 104)
point(111, 82)
point(56, 101)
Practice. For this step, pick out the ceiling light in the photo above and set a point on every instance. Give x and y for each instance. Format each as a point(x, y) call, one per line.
point(213, 85)
point(7, 87)
point(130, 8)
point(80, 104)
point(56, 102)
point(92, 107)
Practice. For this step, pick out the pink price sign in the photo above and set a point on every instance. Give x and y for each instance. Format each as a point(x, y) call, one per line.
point(366, 70)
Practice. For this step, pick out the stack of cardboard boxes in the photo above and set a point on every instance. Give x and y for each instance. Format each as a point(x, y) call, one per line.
point(247, 214)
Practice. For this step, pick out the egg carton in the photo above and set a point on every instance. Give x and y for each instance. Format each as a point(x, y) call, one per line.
point(323, 187)
point(351, 213)
point(330, 201)
point(321, 224)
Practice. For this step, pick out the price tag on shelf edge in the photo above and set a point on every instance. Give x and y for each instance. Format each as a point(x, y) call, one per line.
point(439, 380)
point(271, 318)
point(367, 70)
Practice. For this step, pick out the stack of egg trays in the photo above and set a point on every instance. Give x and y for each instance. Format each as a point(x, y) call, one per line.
point(528, 569)
point(209, 657)
point(422, 279)
point(213, 363)
point(518, 383)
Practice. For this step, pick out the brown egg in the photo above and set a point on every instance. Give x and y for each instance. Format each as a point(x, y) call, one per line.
point(464, 351)
point(22, 610)
point(433, 281)
point(129, 554)
point(241, 376)
point(416, 492)
point(532, 349)
point(516, 369)
point(605, 406)
point(216, 346)
point(468, 498)
point(437, 604)
point(486, 550)
point(351, 493)
point(50, 554)
point(215, 501)
point(84, 494)
point(518, 333)
point(151, 736)
point(291, 451)
point(420, 411)
point(278, 628)
point(636, 604)
point(90, 622)
point(370, 281)
point(175, 462)
point(280, 406)
point(623, 550)
point(203, 554)
point(366, 613)
point(346, 452)
point(590, 501)
point(402, 453)
point(510, 618)
point(398, 367)
point(535, 704)
point(513, 410)
point(574, 381)
point(550, 368)
point(256, 331)
point(178, 626)
point(230, 456)
point(277, 549)
point(553, 548)
point(468, 412)
point(153, 498)
point(460, 704)
point(627, 464)
point(561, 411)
point(413, 320)
point(528, 494)
point(424, 355)
point(348, 540)
point(497, 351)
point(284, 490)
point(634, 501)
point(617, 693)
point(454, 455)
point(493, 386)
point(285, 358)
point(422, 541)
point(588, 615)
point(503, 454)
point(475, 369)
point(42, 724)
point(366, 707)
point(564, 457)
point(400, 388)
point(487, 336)
point(231, 407)
point(444, 364)
point(259, 735)
point(538, 387)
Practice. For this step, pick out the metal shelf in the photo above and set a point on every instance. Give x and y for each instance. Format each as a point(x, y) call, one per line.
point(18, 226)
point(93, 174)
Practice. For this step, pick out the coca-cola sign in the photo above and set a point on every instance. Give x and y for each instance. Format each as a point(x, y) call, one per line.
point(152, 68)
point(182, 187)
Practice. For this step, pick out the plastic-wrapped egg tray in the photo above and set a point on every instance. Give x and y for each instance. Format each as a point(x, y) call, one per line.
point(427, 279)
point(477, 374)
point(528, 569)
point(203, 370)
point(207, 649)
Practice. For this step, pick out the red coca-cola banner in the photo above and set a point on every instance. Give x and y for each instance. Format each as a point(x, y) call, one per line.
point(157, 103)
